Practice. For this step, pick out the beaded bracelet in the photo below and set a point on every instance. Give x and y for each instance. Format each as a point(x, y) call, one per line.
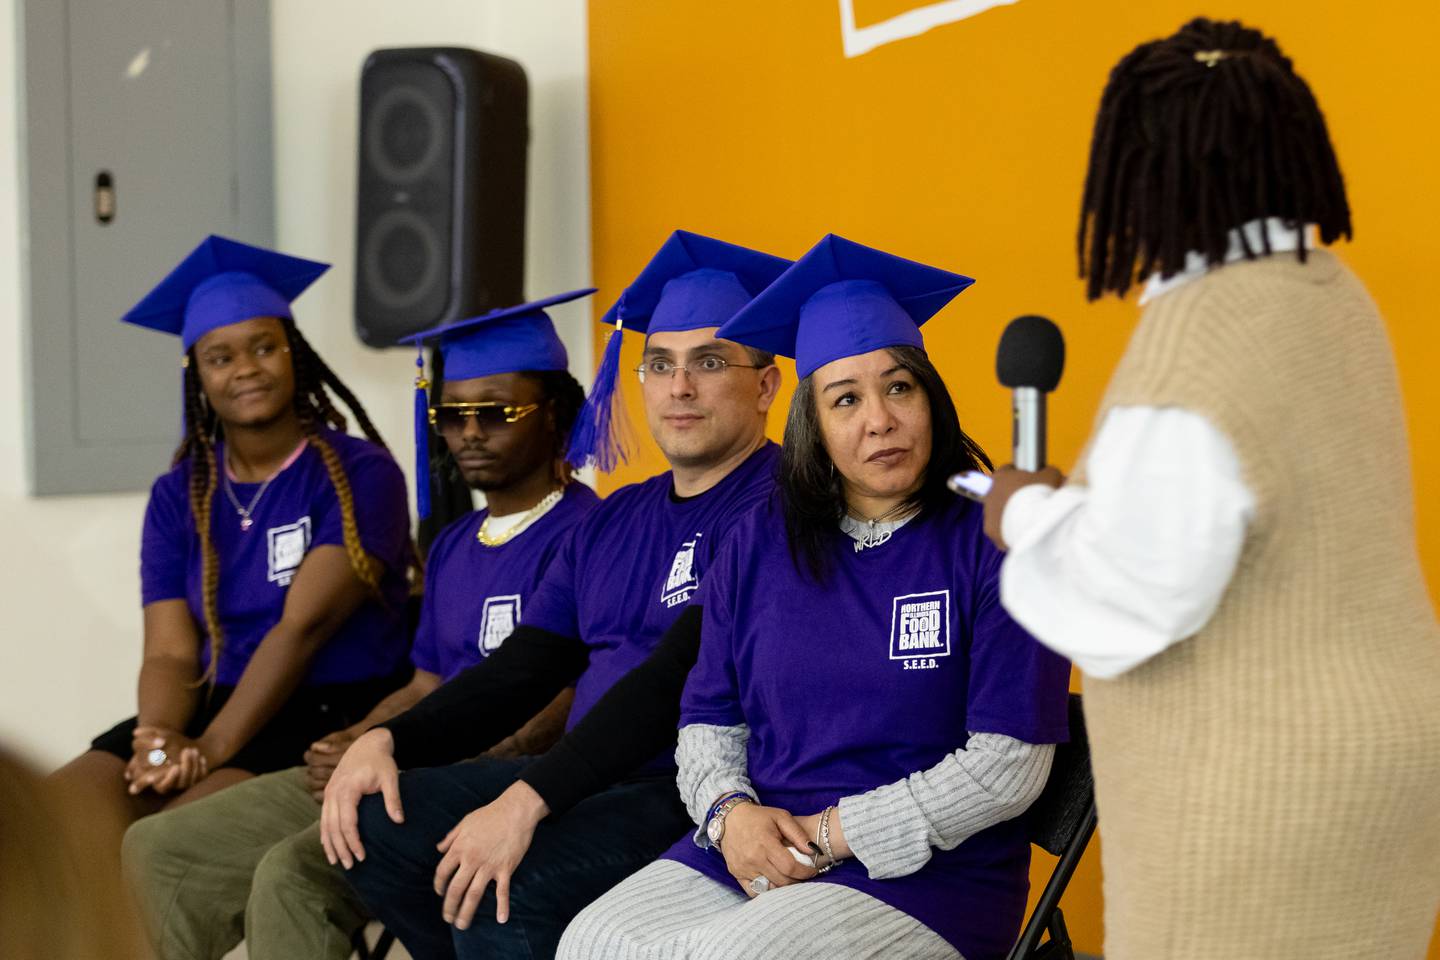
point(825, 839)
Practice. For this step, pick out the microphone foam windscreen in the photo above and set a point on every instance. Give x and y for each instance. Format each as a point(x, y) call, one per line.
point(1031, 354)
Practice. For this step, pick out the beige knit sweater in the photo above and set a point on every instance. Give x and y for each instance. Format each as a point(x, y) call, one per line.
point(1270, 788)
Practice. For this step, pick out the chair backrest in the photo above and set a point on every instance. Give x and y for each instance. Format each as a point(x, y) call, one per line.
point(1053, 819)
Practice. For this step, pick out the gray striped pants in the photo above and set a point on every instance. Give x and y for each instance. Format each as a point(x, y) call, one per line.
point(668, 911)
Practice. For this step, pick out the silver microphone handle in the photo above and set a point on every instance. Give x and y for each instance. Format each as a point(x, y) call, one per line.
point(1029, 436)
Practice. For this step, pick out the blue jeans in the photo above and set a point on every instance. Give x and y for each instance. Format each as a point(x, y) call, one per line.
point(573, 859)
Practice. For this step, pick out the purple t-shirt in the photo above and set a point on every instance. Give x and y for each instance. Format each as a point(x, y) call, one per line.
point(878, 673)
point(475, 595)
point(298, 511)
point(633, 564)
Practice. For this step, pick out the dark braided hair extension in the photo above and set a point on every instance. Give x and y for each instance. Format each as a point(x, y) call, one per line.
point(315, 410)
point(204, 476)
point(1196, 135)
point(565, 396)
point(313, 404)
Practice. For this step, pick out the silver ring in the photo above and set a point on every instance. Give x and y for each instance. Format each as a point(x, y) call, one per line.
point(157, 757)
point(760, 884)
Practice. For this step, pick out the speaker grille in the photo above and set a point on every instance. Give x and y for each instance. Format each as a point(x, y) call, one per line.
point(405, 134)
point(408, 184)
point(440, 212)
point(402, 259)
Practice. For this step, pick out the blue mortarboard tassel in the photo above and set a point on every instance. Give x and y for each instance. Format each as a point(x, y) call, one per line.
point(692, 282)
point(422, 437)
point(594, 438)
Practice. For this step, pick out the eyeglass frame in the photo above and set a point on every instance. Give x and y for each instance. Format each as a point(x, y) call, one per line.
point(677, 367)
point(514, 413)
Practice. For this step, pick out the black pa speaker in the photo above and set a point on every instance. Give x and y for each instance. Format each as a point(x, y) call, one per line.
point(440, 220)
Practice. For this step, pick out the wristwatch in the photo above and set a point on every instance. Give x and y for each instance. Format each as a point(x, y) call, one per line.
point(715, 829)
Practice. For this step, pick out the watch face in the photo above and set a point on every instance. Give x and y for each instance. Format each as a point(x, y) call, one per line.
point(715, 829)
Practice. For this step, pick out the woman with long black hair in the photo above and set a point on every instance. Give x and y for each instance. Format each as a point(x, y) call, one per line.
point(860, 697)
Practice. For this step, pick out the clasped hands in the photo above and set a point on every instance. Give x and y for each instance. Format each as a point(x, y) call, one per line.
point(185, 762)
point(755, 844)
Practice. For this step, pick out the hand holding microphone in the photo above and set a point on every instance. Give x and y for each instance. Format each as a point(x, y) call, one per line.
point(1029, 360)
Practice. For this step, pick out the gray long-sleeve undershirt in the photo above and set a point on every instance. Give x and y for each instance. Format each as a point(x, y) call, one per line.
point(892, 829)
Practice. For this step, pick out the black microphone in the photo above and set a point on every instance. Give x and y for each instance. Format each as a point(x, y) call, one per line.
point(1029, 361)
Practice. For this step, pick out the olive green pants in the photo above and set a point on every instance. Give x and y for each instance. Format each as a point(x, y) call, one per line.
point(246, 862)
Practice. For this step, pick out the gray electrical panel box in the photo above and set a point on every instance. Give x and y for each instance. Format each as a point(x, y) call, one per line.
point(145, 126)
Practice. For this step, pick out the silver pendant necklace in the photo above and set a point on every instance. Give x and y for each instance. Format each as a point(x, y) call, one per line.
point(871, 532)
point(871, 537)
point(245, 522)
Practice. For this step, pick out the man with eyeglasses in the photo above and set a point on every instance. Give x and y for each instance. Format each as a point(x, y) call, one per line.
point(424, 853)
point(247, 861)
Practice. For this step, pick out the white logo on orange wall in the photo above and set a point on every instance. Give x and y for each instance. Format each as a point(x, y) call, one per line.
point(911, 23)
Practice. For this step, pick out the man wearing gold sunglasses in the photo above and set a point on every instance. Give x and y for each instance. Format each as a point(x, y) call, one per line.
point(424, 859)
point(250, 863)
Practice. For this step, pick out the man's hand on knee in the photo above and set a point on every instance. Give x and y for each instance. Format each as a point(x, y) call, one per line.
point(487, 846)
point(367, 767)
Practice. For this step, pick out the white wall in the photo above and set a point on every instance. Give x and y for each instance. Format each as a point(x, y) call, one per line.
point(69, 610)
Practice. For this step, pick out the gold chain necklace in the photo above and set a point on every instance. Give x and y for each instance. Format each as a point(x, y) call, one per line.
point(531, 515)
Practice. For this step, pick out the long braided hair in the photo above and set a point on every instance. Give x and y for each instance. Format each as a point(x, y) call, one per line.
point(1196, 135)
point(316, 411)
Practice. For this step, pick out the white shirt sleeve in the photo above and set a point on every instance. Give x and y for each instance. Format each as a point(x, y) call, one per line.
point(1113, 573)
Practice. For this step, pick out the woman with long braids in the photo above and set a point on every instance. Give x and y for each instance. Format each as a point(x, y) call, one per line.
point(276, 551)
point(1233, 562)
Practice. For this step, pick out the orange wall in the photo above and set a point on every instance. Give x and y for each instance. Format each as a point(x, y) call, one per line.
point(965, 147)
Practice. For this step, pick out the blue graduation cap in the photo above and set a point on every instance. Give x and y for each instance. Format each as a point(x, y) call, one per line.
point(692, 282)
point(508, 340)
point(222, 282)
point(842, 299)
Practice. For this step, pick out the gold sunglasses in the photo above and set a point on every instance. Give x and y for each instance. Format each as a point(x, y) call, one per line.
point(450, 418)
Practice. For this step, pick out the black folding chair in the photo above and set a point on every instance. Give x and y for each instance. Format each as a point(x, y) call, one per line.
point(383, 943)
point(1060, 822)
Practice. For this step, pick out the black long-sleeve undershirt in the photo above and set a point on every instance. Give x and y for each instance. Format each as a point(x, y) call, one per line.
point(486, 703)
point(635, 720)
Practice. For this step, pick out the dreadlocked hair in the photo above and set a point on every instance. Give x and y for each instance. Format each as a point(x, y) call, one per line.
point(566, 397)
point(1196, 135)
point(315, 410)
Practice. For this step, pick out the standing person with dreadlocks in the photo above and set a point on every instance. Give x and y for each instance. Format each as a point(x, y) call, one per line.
point(1233, 565)
point(275, 553)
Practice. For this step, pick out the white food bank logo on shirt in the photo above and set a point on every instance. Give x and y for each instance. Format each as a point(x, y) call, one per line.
point(920, 629)
point(287, 545)
point(681, 582)
point(498, 619)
